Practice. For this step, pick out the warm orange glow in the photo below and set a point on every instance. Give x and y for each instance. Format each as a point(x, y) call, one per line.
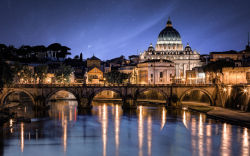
point(65, 124)
point(224, 89)
point(140, 130)
point(163, 117)
point(184, 119)
point(104, 128)
point(117, 128)
point(245, 143)
point(22, 137)
point(201, 137)
point(149, 135)
point(208, 139)
point(225, 140)
point(11, 126)
point(193, 132)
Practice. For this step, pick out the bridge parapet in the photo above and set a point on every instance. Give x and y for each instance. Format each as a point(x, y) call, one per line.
point(129, 93)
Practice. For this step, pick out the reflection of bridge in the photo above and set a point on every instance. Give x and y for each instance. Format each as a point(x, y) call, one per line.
point(40, 94)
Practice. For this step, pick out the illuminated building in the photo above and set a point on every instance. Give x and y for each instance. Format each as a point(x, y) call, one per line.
point(236, 75)
point(195, 76)
point(94, 74)
point(169, 47)
point(154, 72)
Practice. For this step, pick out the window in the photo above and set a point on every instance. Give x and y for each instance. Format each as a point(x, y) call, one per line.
point(151, 76)
point(161, 74)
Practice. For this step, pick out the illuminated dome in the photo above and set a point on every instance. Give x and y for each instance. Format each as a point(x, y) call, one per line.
point(169, 39)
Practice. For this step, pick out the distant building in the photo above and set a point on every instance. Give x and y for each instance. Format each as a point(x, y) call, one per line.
point(195, 76)
point(169, 47)
point(94, 73)
point(233, 55)
point(236, 75)
point(154, 72)
point(93, 62)
point(94, 76)
point(241, 58)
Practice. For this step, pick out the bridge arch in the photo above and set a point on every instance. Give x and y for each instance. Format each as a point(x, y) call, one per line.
point(197, 89)
point(11, 91)
point(158, 90)
point(49, 96)
point(107, 89)
point(96, 92)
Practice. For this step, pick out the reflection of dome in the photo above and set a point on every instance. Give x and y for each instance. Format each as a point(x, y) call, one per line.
point(169, 39)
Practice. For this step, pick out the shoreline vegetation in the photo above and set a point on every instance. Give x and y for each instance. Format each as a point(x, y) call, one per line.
point(218, 113)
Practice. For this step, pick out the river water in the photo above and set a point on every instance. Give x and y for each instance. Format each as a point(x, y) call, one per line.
point(107, 130)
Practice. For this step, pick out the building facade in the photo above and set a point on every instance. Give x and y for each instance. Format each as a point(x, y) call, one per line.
point(154, 72)
point(236, 75)
point(169, 47)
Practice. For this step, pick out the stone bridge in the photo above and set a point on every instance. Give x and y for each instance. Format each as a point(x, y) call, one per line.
point(84, 94)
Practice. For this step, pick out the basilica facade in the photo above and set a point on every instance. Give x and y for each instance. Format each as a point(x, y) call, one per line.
point(169, 47)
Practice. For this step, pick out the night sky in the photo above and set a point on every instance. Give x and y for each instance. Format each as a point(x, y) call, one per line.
point(110, 28)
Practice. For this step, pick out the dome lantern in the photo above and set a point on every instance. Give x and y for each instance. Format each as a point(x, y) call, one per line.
point(169, 23)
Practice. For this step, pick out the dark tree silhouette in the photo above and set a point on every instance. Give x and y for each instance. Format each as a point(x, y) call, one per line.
point(6, 74)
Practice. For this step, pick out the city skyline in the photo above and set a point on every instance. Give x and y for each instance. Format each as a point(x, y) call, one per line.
point(109, 29)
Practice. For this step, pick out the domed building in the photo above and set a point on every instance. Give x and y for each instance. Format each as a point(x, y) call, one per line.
point(169, 47)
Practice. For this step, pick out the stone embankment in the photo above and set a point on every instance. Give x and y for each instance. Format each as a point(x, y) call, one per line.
point(232, 116)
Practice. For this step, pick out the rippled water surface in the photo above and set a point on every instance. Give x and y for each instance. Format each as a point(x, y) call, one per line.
point(107, 130)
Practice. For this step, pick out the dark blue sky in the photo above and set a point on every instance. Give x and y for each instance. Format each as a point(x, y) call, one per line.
point(110, 28)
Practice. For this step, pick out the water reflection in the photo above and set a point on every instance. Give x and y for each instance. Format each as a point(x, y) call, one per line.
point(149, 135)
point(245, 142)
point(22, 137)
point(226, 140)
point(148, 131)
point(117, 128)
point(104, 128)
point(163, 117)
point(140, 130)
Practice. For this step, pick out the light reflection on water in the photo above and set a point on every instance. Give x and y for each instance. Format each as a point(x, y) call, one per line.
point(108, 130)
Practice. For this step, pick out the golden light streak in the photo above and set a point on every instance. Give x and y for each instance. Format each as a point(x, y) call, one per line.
point(208, 139)
point(149, 135)
point(117, 128)
point(245, 143)
point(75, 114)
point(22, 137)
point(65, 126)
point(163, 117)
point(225, 140)
point(70, 114)
point(184, 119)
point(193, 132)
point(140, 131)
point(104, 128)
point(201, 150)
point(11, 125)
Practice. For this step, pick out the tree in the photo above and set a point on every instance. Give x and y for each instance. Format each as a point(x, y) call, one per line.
point(81, 57)
point(76, 57)
point(6, 74)
point(63, 73)
point(41, 72)
point(116, 77)
point(61, 51)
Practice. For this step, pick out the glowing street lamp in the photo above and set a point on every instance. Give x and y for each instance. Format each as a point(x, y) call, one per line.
point(224, 89)
point(245, 90)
